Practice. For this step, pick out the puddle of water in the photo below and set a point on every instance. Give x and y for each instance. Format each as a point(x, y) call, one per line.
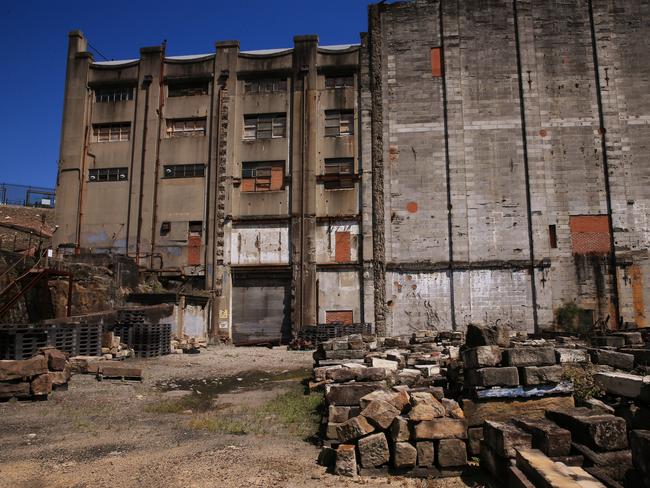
point(248, 380)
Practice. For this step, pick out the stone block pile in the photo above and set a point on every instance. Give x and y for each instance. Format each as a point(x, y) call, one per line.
point(386, 410)
point(36, 377)
point(113, 348)
point(621, 350)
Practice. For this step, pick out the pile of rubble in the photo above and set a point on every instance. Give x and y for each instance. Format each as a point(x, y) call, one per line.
point(187, 345)
point(36, 377)
point(386, 406)
point(113, 348)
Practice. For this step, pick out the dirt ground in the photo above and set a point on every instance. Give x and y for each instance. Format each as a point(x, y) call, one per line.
point(228, 417)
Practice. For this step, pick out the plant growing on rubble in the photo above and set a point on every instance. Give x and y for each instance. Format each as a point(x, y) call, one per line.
point(582, 377)
point(568, 318)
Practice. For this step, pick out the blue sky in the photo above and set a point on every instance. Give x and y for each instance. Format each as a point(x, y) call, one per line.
point(33, 35)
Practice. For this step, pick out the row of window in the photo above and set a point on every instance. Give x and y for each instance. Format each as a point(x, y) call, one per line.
point(191, 88)
point(255, 177)
point(261, 126)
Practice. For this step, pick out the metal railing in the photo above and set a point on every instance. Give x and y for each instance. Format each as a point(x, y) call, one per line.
point(28, 196)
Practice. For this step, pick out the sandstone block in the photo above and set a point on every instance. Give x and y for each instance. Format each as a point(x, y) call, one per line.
point(487, 336)
point(552, 440)
point(371, 374)
point(545, 473)
point(477, 411)
point(567, 356)
point(380, 413)
point(529, 356)
point(350, 394)
point(443, 428)
point(623, 384)
point(11, 390)
point(353, 429)
point(26, 368)
point(540, 375)
point(426, 453)
point(373, 450)
point(507, 376)
point(631, 338)
point(399, 430)
point(338, 414)
point(422, 411)
point(346, 461)
point(505, 438)
point(385, 364)
point(599, 431)
point(608, 341)
point(341, 375)
point(474, 438)
point(451, 453)
point(343, 355)
point(517, 479)
point(331, 432)
point(56, 360)
point(59, 378)
point(404, 455)
point(482, 356)
point(397, 399)
point(41, 385)
point(619, 360)
point(452, 408)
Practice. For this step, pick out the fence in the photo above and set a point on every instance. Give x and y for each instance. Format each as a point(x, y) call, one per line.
point(28, 196)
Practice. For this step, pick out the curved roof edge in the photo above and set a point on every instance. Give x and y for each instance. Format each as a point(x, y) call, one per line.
point(266, 52)
point(189, 57)
point(339, 48)
point(119, 63)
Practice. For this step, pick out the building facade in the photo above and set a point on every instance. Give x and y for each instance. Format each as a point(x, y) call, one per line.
point(466, 162)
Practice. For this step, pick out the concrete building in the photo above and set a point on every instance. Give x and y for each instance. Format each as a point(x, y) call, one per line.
point(467, 162)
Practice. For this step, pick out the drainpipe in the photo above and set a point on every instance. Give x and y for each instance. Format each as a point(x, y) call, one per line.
point(161, 103)
point(603, 146)
point(147, 84)
point(302, 198)
point(132, 164)
point(452, 297)
point(524, 140)
point(206, 220)
point(82, 173)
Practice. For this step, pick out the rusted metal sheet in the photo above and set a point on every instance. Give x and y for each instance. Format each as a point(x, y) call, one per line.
point(436, 62)
point(637, 295)
point(342, 251)
point(344, 317)
point(194, 250)
point(260, 311)
point(589, 234)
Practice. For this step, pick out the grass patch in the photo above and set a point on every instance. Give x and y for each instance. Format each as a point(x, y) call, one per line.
point(296, 411)
point(584, 384)
point(193, 402)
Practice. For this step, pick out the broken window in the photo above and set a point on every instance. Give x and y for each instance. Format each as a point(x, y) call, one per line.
point(339, 173)
point(339, 123)
point(590, 234)
point(111, 132)
point(113, 94)
point(186, 127)
point(339, 81)
point(344, 317)
point(262, 176)
point(187, 88)
point(265, 85)
point(552, 236)
point(165, 228)
point(108, 174)
point(184, 170)
point(265, 126)
point(196, 228)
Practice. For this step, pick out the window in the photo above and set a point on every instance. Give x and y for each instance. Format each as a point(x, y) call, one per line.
point(339, 123)
point(339, 173)
point(184, 170)
point(339, 81)
point(196, 228)
point(108, 174)
point(552, 236)
point(113, 94)
point(436, 62)
point(265, 85)
point(262, 176)
point(185, 127)
point(165, 228)
point(266, 126)
point(111, 132)
point(187, 88)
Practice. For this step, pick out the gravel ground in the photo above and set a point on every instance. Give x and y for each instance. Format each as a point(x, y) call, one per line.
point(105, 434)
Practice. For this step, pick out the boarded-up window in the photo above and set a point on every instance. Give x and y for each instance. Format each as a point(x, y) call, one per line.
point(436, 62)
point(262, 176)
point(339, 173)
point(589, 234)
point(339, 317)
point(194, 231)
point(342, 250)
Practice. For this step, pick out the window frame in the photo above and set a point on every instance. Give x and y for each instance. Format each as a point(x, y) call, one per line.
point(175, 171)
point(274, 126)
point(337, 119)
point(198, 130)
point(112, 132)
point(338, 174)
point(336, 82)
point(266, 183)
point(187, 88)
point(265, 85)
point(105, 175)
point(109, 94)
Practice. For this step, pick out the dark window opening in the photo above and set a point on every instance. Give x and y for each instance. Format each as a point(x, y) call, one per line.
point(165, 228)
point(187, 88)
point(186, 127)
point(339, 81)
point(196, 228)
point(184, 171)
point(108, 174)
point(113, 94)
point(111, 132)
point(552, 234)
point(265, 85)
point(262, 176)
point(339, 123)
point(339, 174)
point(265, 126)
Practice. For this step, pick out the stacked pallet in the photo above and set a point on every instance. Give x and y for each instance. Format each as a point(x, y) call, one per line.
point(35, 377)
point(373, 428)
point(22, 341)
point(505, 376)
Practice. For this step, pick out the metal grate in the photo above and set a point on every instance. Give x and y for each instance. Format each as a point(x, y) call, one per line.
point(323, 332)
